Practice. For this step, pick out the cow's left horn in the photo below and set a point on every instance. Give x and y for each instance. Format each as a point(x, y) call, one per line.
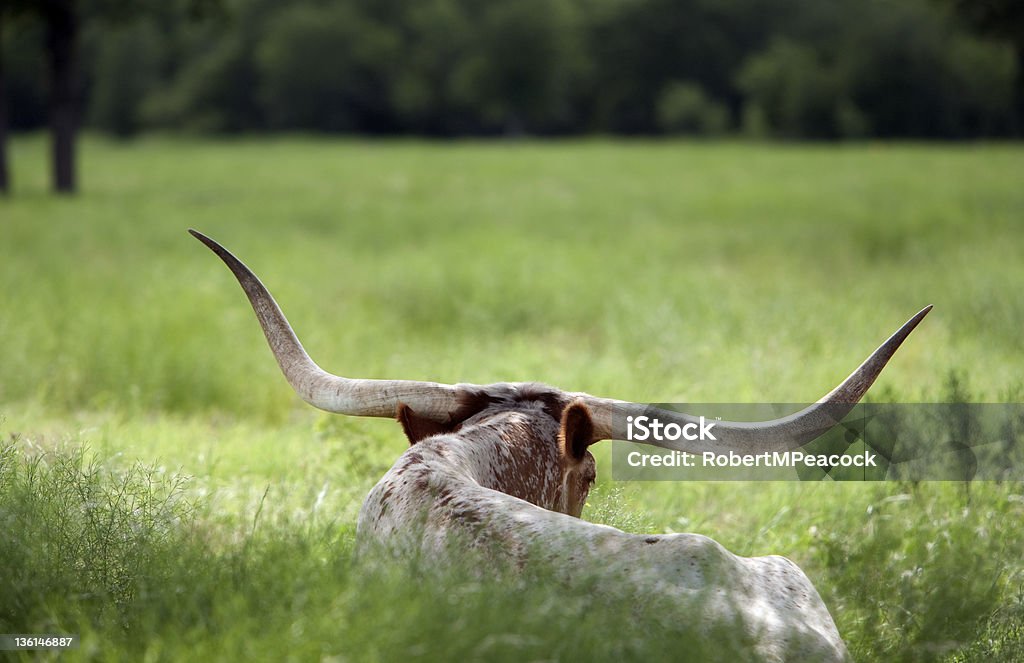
point(368, 398)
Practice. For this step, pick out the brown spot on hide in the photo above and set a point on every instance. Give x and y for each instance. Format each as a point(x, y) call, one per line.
point(444, 496)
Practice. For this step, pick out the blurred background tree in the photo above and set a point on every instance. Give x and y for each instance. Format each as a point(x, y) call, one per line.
point(1002, 19)
point(4, 173)
point(831, 69)
point(54, 29)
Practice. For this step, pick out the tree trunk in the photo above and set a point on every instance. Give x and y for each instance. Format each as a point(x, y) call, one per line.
point(5, 178)
point(62, 43)
point(1018, 93)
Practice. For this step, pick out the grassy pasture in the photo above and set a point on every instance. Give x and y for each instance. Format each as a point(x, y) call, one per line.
point(689, 272)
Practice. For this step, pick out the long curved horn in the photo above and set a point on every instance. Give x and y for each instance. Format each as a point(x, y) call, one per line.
point(444, 403)
point(788, 432)
point(368, 398)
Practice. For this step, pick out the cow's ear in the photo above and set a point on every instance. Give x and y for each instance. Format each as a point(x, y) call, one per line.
point(416, 427)
point(576, 433)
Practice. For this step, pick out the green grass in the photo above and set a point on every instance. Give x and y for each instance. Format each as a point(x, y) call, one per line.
point(694, 272)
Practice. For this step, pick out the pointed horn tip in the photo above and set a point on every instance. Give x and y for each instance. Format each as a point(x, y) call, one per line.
point(903, 332)
point(919, 316)
point(213, 245)
point(200, 236)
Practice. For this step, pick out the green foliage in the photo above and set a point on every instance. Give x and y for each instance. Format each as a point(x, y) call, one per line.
point(76, 532)
point(796, 94)
point(838, 69)
point(1001, 17)
point(893, 70)
point(525, 69)
point(214, 92)
point(685, 108)
point(327, 68)
point(24, 64)
point(432, 85)
point(938, 561)
point(127, 67)
point(906, 69)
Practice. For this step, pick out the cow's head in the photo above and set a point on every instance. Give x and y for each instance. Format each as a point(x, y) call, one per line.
point(533, 440)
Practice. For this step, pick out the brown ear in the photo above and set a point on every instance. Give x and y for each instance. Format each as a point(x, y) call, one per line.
point(416, 427)
point(577, 431)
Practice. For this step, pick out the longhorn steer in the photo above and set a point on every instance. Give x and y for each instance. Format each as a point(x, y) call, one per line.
point(507, 467)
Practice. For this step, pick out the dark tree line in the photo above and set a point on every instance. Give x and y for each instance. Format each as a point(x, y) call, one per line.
point(41, 41)
point(828, 69)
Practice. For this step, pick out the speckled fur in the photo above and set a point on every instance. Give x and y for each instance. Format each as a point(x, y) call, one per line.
point(499, 481)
